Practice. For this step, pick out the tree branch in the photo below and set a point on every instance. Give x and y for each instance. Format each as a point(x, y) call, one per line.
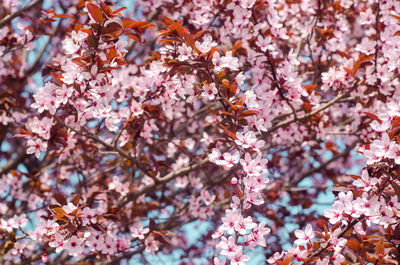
point(10, 17)
point(13, 163)
point(312, 113)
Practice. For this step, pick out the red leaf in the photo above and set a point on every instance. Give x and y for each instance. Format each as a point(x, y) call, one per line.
point(130, 23)
point(322, 224)
point(239, 192)
point(396, 17)
point(177, 26)
point(307, 107)
point(62, 16)
point(372, 116)
point(199, 34)
point(348, 70)
point(95, 12)
point(152, 224)
point(353, 244)
point(76, 199)
point(60, 198)
point(134, 37)
point(396, 188)
point(113, 28)
point(59, 211)
point(310, 88)
point(229, 133)
point(380, 250)
point(116, 12)
point(232, 89)
point(23, 133)
point(248, 113)
point(106, 9)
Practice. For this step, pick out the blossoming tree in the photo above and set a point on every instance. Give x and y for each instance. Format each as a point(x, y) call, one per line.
point(124, 123)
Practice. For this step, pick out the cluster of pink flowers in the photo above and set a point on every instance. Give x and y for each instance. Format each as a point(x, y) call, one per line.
point(80, 235)
point(229, 113)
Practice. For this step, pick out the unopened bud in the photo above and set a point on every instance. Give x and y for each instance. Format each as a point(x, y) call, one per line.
point(234, 181)
point(44, 258)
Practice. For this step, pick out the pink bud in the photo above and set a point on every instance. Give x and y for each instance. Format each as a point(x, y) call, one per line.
point(234, 181)
point(44, 258)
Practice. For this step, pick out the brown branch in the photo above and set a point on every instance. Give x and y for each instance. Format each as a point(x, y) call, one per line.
point(106, 145)
point(10, 17)
point(312, 113)
point(39, 55)
point(324, 165)
point(166, 178)
point(13, 162)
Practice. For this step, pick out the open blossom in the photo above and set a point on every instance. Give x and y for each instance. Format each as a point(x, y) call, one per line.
point(239, 258)
point(245, 140)
point(244, 224)
point(184, 52)
point(230, 159)
point(207, 197)
point(74, 245)
point(274, 258)
point(110, 245)
point(120, 46)
point(371, 155)
point(36, 147)
point(116, 185)
point(216, 157)
point(95, 243)
point(304, 236)
point(151, 244)
point(217, 261)
point(367, 17)
point(73, 44)
point(206, 44)
point(264, 43)
point(138, 231)
point(367, 46)
point(228, 247)
point(336, 213)
point(382, 145)
point(58, 242)
point(230, 220)
point(227, 61)
point(210, 91)
point(298, 254)
point(365, 182)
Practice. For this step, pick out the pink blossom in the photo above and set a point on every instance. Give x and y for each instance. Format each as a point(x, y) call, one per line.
point(245, 140)
point(151, 244)
point(120, 46)
point(36, 147)
point(365, 181)
point(218, 262)
point(304, 237)
point(264, 43)
point(226, 61)
point(209, 90)
point(230, 159)
point(138, 231)
point(58, 242)
point(74, 245)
